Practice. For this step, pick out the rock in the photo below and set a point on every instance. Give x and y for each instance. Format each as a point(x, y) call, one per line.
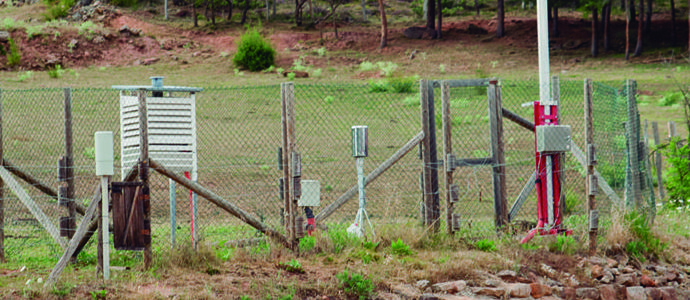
point(421, 284)
point(540, 290)
point(450, 287)
point(519, 290)
point(646, 281)
point(548, 270)
point(587, 293)
point(150, 61)
point(406, 291)
point(126, 31)
point(570, 280)
point(73, 44)
point(636, 293)
point(653, 293)
point(659, 280)
point(568, 294)
point(627, 270)
point(607, 292)
point(4, 36)
point(428, 297)
point(668, 293)
point(611, 263)
point(607, 277)
point(508, 275)
point(596, 271)
point(388, 296)
point(99, 39)
point(595, 260)
point(493, 292)
point(671, 276)
point(419, 33)
point(474, 29)
point(453, 297)
point(298, 74)
point(492, 283)
point(627, 280)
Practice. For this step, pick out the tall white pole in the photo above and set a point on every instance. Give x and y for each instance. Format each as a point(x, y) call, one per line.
point(544, 68)
point(105, 222)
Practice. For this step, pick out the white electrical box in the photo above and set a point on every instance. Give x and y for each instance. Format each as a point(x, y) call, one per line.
point(553, 138)
point(311, 193)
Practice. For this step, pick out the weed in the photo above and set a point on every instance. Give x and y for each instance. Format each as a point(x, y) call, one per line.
point(411, 101)
point(254, 52)
point(56, 35)
point(89, 152)
point(370, 245)
point(400, 248)
point(670, 98)
point(14, 58)
point(100, 294)
point(321, 51)
point(644, 243)
point(291, 76)
point(563, 244)
point(87, 28)
point(366, 66)
point(238, 72)
point(293, 266)
point(8, 24)
point(341, 239)
point(355, 284)
point(402, 84)
point(245, 297)
point(442, 68)
point(224, 54)
point(62, 290)
point(677, 175)
point(529, 246)
point(57, 9)
point(297, 65)
point(307, 243)
point(485, 245)
point(56, 72)
point(24, 76)
point(387, 67)
point(316, 73)
point(329, 100)
point(378, 86)
point(32, 31)
point(280, 70)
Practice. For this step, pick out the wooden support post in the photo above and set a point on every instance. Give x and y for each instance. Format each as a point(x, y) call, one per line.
point(287, 97)
point(75, 241)
point(69, 163)
point(498, 156)
point(2, 196)
point(292, 146)
point(633, 145)
point(447, 150)
point(657, 162)
point(671, 129)
point(431, 199)
point(591, 190)
point(144, 166)
point(220, 202)
point(330, 209)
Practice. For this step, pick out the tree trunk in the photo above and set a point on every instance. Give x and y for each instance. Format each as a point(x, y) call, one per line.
point(440, 19)
point(213, 12)
point(595, 32)
point(476, 6)
point(638, 47)
point(627, 30)
point(430, 14)
point(500, 14)
point(555, 31)
point(229, 10)
point(648, 19)
point(244, 12)
point(298, 15)
point(384, 25)
point(633, 13)
point(606, 16)
point(673, 22)
point(196, 22)
point(623, 4)
point(689, 32)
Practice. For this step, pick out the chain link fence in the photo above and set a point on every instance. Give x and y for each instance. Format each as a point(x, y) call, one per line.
point(239, 133)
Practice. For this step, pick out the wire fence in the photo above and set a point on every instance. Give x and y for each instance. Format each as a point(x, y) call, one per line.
point(239, 132)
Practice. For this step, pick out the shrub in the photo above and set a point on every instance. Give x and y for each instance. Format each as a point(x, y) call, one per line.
point(307, 243)
point(355, 284)
point(254, 52)
point(400, 248)
point(57, 9)
point(293, 266)
point(485, 245)
point(671, 99)
point(677, 176)
point(56, 72)
point(13, 56)
point(563, 244)
point(402, 84)
point(645, 243)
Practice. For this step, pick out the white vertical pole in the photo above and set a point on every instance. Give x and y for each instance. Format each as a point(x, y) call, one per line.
point(549, 188)
point(106, 222)
point(166, 9)
point(544, 68)
point(360, 185)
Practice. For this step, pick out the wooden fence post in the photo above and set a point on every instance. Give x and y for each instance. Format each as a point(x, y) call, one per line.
point(144, 168)
point(498, 155)
point(657, 161)
point(2, 196)
point(591, 187)
point(287, 95)
point(447, 150)
point(671, 129)
point(431, 197)
point(69, 163)
point(633, 145)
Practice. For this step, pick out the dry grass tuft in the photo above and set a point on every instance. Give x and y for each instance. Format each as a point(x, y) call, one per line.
point(619, 232)
point(184, 256)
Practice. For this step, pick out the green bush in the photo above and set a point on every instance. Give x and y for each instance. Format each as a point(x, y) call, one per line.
point(56, 72)
point(355, 284)
point(402, 84)
point(400, 248)
point(307, 243)
point(254, 52)
point(485, 245)
point(14, 58)
point(57, 9)
point(677, 176)
point(645, 244)
point(563, 244)
point(671, 99)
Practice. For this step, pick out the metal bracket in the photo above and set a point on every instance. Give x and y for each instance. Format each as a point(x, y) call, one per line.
point(592, 154)
point(593, 185)
point(454, 193)
point(593, 219)
point(280, 158)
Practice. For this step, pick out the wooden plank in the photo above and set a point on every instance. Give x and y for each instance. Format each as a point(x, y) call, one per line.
point(69, 162)
point(32, 206)
point(144, 165)
point(220, 202)
point(524, 193)
point(468, 162)
point(589, 141)
point(498, 170)
point(657, 161)
point(671, 129)
point(74, 242)
point(447, 149)
point(292, 147)
point(285, 159)
point(330, 209)
point(517, 119)
point(425, 88)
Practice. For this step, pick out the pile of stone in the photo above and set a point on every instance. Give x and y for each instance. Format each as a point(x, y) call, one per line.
point(611, 279)
point(96, 11)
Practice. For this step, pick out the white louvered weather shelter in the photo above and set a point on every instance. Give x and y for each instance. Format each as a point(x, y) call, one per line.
point(171, 113)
